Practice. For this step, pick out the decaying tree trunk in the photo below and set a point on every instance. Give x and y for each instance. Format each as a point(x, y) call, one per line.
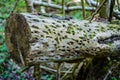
point(33, 39)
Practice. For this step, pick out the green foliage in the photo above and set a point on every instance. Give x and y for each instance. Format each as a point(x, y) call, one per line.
point(77, 15)
point(3, 57)
point(47, 77)
point(21, 7)
point(6, 6)
point(10, 72)
point(114, 78)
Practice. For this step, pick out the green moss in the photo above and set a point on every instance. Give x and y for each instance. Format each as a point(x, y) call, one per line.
point(110, 44)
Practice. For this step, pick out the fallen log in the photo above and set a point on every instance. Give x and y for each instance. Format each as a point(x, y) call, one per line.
point(35, 39)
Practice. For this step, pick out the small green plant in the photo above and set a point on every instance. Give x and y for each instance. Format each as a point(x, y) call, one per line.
point(48, 77)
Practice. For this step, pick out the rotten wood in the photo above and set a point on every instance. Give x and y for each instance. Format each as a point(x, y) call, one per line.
point(49, 39)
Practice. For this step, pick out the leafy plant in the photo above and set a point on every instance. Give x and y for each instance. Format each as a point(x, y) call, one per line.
point(6, 6)
point(47, 77)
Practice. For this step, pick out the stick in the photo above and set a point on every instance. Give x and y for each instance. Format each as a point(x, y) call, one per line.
point(97, 10)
